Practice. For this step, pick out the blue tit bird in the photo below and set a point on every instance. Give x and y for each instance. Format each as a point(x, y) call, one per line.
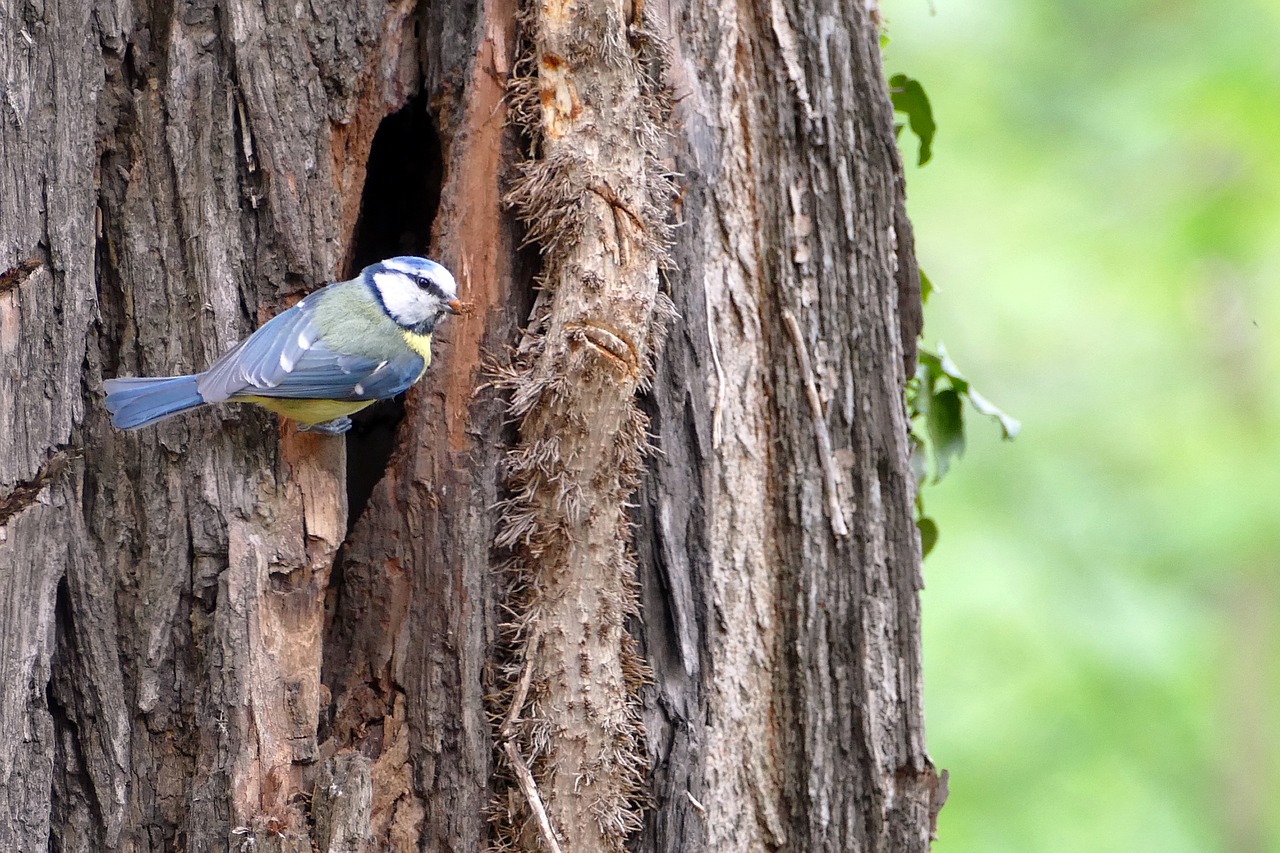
point(337, 351)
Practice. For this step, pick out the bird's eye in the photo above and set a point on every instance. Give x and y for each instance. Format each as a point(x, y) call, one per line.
point(422, 281)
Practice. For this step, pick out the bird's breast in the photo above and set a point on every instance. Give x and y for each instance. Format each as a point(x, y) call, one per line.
point(421, 344)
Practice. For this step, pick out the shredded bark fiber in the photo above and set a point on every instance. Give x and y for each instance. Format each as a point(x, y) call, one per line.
point(596, 202)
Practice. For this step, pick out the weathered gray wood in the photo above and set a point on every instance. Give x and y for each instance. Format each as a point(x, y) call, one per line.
point(342, 803)
point(787, 709)
point(164, 608)
point(51, 75)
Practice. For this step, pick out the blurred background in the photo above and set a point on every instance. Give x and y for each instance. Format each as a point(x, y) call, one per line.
point(1101, 218)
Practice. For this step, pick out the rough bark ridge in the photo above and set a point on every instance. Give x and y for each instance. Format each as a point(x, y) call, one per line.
point(170, 674)
point(596, 203)
point(780, 582)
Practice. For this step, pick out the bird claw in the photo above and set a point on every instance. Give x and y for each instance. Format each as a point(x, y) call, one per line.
point(337, 426)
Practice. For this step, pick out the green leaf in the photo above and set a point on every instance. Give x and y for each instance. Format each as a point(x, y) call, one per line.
point(936, 395)
point(919, 460)
point(941, 367)
point(926, 288)
point(913, 397)
point(1010, 426)
point(908, 97)
point(928, 372)
point(951, 371)
point(945, 423)
point(928, 534)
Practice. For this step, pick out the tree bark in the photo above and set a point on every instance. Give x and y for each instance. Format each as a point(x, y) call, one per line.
point(488, 616)
point(788, 701)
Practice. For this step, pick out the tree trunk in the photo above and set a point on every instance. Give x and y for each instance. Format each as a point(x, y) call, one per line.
point(490, 615)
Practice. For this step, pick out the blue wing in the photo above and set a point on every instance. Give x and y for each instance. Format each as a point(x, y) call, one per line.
point(322, 374)
point(288, 357)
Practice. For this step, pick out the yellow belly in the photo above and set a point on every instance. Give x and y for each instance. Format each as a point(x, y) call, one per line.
point(307, 411)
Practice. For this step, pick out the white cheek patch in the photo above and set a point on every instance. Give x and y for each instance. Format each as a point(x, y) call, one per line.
point(400, 295)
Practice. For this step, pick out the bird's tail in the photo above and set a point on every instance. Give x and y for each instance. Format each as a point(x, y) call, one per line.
point(137, 401)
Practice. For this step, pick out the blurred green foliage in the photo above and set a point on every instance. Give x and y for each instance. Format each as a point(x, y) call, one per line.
point(1102, 612)
point(909, 98)
point(937, 397)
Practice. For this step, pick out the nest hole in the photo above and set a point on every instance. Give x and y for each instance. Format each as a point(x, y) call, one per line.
point(397, 208)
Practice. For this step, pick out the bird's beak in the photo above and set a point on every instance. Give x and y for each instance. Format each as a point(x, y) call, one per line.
point(454, 306)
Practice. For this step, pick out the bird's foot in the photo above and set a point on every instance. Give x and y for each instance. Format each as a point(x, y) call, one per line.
point(337, 426)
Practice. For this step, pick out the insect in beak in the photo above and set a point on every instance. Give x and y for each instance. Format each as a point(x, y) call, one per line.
point(454, 306)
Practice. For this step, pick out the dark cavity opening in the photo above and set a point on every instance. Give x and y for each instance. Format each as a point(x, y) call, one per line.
point(72, 715)
point(399, 203)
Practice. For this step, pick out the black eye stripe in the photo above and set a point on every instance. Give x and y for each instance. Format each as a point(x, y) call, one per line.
point(429, 285)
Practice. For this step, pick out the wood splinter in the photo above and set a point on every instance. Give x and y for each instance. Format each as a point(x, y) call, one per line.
point(524, 778)
point(529, 788)
point(820, 433)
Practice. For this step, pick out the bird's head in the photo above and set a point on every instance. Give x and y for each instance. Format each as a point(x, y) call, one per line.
point(415, 292)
